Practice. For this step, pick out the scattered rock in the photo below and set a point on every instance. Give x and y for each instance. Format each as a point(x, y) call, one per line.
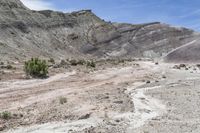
point(106, 97)
point(85, 116)
point(118, 102)
point(182, 65)
point(148, 82)
point(62, 100)
point(198, 65)
point(21, 115)
point(117, 121)
point(70, 130)
point(179, 66)
point(2, 127)
point(176, 67)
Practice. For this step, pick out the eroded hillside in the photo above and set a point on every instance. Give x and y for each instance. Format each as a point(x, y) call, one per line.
point(25, 33)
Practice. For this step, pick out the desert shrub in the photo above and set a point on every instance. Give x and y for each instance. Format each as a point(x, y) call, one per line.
point(81, 62)
point(5, 115)
point(73, 62)
point(121, 61)
point(91, 64)
point(9, 67)
point(63, 63)
point(62, 100)
point(36, 68)
point(76, 62)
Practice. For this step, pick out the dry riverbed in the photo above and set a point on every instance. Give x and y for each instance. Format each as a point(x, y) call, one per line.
point(138, 97)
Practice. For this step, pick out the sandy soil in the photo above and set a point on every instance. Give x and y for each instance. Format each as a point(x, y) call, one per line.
point(144, 98)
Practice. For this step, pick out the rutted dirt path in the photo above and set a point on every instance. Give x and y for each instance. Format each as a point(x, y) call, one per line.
point(12, 85)
point(13, 92)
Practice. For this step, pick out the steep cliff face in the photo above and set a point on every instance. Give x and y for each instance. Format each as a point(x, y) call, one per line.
point(25, 33)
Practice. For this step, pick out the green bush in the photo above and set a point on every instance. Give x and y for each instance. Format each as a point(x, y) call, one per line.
point(91, 64)
point(5, 115)
point(36, 68)
point(81, 62)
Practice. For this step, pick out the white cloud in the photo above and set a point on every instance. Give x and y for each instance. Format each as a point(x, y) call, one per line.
point(38, 4)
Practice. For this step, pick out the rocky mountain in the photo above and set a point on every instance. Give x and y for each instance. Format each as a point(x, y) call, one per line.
point(25, 33)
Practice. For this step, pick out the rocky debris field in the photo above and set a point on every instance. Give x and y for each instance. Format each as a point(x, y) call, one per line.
point(133, 96)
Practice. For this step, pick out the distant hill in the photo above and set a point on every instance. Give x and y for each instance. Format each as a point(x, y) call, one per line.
point(25, 33)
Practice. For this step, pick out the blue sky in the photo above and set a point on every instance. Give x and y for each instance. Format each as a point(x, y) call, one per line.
point(175, 12)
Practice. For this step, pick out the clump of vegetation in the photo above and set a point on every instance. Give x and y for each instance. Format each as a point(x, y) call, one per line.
point(81, 62)
point(63, 63)
point(91, 64)
point(62, 100)
point(51, 60)
point(36, 68)
point(73, 62)
point(121, 61)
point(5, 115)
point(77, 62)
point(9, 67)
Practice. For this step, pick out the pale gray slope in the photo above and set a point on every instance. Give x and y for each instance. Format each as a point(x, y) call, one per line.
point(188, 53)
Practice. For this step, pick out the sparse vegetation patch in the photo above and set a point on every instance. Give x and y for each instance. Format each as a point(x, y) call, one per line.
point(5, 115)
point(91, 64)
point(36, 68)
point(62, 100)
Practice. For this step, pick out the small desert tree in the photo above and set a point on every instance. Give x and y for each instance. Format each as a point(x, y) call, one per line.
point(36, 68)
